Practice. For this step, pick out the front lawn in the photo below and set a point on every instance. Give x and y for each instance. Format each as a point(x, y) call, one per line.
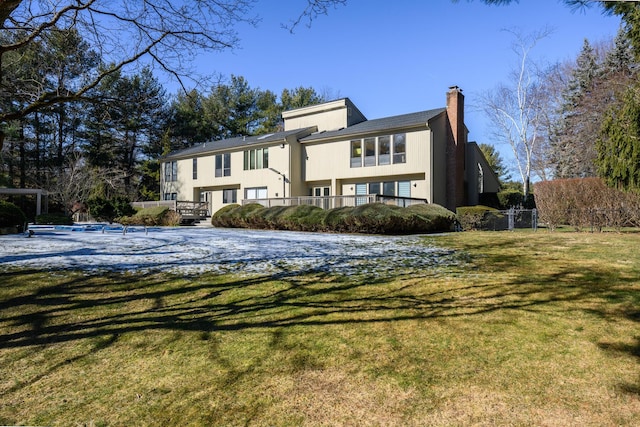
point(529, 329)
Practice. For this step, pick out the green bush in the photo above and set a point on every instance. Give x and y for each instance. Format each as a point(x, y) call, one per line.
point(12, 216)
point(510, 197)
point(54, 219)
point(476, 217)
point(103, 209)
point(374, 218)
point(237, 216)
point(154, 216)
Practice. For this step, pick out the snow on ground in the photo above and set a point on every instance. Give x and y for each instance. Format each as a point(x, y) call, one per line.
point(195, 250)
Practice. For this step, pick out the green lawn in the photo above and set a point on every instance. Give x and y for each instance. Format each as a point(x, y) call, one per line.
point(530, 329)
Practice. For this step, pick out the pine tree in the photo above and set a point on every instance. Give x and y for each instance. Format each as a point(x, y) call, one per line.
point(618, 146)
point(571, 146)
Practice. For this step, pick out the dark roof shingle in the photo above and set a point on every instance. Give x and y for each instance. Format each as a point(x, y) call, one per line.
point(379, 125)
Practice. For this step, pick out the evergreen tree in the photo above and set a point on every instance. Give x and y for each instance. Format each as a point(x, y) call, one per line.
point(495, 162)
point(189, 123)
point(571, 146)
point(618, 150)
point(126, 127)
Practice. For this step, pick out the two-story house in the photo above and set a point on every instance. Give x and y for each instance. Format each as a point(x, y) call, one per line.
point(330, 150)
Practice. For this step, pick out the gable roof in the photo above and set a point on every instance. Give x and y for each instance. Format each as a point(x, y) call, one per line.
point(241, 141)
point(306, 135)
point(385, 124)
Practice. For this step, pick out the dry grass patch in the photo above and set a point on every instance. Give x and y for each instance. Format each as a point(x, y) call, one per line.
point(531, 329)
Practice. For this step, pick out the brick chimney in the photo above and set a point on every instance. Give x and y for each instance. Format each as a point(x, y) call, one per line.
point(456, 147)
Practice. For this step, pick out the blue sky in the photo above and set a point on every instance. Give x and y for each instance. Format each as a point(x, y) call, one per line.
point(396, 57)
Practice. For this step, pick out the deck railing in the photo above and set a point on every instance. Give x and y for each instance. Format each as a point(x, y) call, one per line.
point(190, 210)
point(331, 202)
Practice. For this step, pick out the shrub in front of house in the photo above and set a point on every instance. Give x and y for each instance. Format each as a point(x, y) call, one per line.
point(476, 217)
point(154, 216)
point(12, 219)
point(374, 218)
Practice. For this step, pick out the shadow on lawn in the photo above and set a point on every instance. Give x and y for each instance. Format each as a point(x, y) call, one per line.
point(103, 307)
point(80, 307)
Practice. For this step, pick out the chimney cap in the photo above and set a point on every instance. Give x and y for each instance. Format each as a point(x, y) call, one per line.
point(455, 88)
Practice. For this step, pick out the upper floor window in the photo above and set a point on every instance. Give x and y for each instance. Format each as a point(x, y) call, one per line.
point(170, 171)
point(369, 151)
point(223, 165)
point(400, 148)
point(195, 168)
point(257, 158)
point(356, 153)
point(383, 150)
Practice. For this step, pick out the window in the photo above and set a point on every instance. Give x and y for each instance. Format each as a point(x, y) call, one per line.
point(384, 150)
point(230, 196)
point(170, 171)
point(399, 148)
point(369, 151)
point(255, 193)
point(404, 188)
point(361, 190)
point(356, 153)
point(378, 151)
point(170, 196)
point(374, 188)
point(389, 188)
point(256, 159)
point(223, 165)
point(195, 168)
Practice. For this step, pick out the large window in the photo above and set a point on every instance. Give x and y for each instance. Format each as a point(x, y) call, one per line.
point(369, 151)
point(356, 153)
point(195, 168)
point(379, 151)
point(170, 171)
point(255, 193)
point(230, 195)
point(391, 188)
point(404, 188)
point(384, 150)
point(400, 148)
point(223, 165)
point(256, 159)
point(374, 188)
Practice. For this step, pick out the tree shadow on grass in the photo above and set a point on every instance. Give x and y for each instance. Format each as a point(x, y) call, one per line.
point(75, 306)
point(625, 348)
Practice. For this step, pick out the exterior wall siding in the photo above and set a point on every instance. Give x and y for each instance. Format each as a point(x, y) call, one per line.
point(331, 161)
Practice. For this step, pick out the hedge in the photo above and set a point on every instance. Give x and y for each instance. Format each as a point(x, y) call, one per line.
point(373, 218)
point(585, 203)
point(154, 216)
point(476, 217)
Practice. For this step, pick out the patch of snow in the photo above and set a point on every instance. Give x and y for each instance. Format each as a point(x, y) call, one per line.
point(197, 250)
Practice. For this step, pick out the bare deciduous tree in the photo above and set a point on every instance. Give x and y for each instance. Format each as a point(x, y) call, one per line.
point(515, 108)
point(165, 33)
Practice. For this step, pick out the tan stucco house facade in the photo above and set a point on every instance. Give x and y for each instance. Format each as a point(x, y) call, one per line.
point(331, 149)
